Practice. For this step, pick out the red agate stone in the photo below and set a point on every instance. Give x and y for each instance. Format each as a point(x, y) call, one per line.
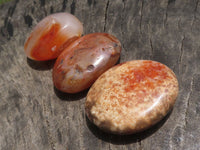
point(52, 35)
point(132, 96)
point(80, 64)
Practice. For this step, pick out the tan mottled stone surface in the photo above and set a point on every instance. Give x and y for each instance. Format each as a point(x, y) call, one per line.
point(132, 96)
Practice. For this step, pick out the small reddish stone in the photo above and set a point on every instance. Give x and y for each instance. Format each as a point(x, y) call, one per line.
point(132, 96)
point(51, 35)
point(80, 64)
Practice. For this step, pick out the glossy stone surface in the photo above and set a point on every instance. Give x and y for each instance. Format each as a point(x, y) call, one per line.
point(52, 35)
point(132, 96)
point(84, 61)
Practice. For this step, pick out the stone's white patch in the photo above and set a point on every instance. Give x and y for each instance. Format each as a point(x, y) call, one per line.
point(53, 48)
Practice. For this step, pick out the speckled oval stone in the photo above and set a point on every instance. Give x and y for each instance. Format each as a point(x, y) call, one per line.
point(131, 96)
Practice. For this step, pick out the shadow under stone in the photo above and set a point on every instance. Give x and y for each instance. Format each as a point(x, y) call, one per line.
point(70, 97)
point(41, 65)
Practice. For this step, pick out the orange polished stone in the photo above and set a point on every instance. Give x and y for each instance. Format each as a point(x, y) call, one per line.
point(51, 35)
point(132, 96)
point(80, 64)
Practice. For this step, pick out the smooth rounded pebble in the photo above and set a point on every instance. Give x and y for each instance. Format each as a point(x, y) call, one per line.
point(131, 96)
point(84, 61)
point(51, 35)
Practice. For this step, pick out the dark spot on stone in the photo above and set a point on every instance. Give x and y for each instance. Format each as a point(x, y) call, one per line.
point(42, 2)
point(103, 49)
point(78, 69)
point(61, 61)
point(64, 5)
point(171, 1)
point(73, 6)
point(89, 2)
point(28, 20)
point(90, 67)
point(10, 29)
point(115, 45)
point(63, 74)
point(106, 123)
point(51, 10)
point(71, 57)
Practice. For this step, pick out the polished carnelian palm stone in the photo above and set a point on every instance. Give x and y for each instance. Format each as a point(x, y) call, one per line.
point(80, 64)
